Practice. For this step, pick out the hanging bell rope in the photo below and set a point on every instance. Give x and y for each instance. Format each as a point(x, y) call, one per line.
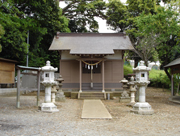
point(91, 64)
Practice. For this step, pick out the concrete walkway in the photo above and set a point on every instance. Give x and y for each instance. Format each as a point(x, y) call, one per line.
point(95, 109)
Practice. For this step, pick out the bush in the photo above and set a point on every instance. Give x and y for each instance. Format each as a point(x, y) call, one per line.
point(159, 78)
point(127, 70)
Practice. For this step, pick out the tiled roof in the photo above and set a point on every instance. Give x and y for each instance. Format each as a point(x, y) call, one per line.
point(173, 63)
point(91, 43)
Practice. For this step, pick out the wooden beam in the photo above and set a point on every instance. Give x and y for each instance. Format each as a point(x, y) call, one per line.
point(103, 76)
point(172, 85)
point(38, 87)
point(80, 76)
point(91, 59)
point(18, 89)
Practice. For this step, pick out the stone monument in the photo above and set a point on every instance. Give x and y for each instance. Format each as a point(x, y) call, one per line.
point(60, 94)
point(48, 82)
point(142, 107)
point(124, 96)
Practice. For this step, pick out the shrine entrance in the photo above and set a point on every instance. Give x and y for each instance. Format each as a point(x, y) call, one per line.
point(91, 74)
point(90, 70)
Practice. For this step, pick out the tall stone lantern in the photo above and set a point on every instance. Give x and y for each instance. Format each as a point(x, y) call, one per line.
point(48, 82)
point(142, 107)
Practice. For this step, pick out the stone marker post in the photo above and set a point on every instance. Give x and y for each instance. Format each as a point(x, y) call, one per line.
point(142, 107)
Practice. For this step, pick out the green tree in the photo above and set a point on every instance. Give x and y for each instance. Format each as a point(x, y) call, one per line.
point(121, 17)
point(117, 15)
point(13, 41)
point(1, 34)
point(82, 13)
point(162, 28)
point(42, 19)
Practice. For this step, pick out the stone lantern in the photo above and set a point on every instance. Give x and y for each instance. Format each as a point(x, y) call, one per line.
point(124, 96)
point(132, 91)
point(48, 82)
point(142, 107)
point(60, 94)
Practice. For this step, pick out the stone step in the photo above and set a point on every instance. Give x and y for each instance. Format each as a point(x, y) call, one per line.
point(91, 95)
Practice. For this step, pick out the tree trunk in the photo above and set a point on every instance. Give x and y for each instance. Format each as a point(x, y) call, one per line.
point(167, 73)
point(146, 63)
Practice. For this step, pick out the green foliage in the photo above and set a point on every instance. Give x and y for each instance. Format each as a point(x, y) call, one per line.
point(158, 78)
point(156, 35)
point(117, 15)
point(42, 19)
point(155, 73)
point(82, 13)
point(127, 70)
point(138, 6)
point(13, 41)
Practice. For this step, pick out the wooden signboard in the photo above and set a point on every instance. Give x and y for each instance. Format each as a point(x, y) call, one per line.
point(7, 71)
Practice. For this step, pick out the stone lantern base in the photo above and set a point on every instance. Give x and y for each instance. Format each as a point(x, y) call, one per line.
point(48, 107)
point(124, 99)
point(142, 108)
point(131, 104)
point(60, 96)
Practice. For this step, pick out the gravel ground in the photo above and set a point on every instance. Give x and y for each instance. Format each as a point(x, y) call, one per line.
point(28, 121)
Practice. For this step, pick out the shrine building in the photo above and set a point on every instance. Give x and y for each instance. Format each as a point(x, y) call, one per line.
point(91, 61)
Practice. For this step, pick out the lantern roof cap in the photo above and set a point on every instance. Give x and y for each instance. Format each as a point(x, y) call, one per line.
point(141, 67)
point(59, 78)
point(48, 67)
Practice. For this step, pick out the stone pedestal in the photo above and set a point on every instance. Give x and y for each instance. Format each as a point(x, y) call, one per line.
point(47, 94)
point(142, 108)
point(132, 90)
point(48, 107)
point(53, 94)
point(60, 96)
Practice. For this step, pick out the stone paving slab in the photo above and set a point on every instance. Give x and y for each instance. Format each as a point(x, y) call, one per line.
point(95, 109)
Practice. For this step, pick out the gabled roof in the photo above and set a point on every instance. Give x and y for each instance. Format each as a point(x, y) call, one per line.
point(8, 60)
point(173, 63)
point(91, 43)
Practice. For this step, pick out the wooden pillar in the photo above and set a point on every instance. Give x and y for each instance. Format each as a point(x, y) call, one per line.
point(103, 76)
point(38, 87)
point(18, 89)
point(60, 62)
point(80, 76)
point(172, 85)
